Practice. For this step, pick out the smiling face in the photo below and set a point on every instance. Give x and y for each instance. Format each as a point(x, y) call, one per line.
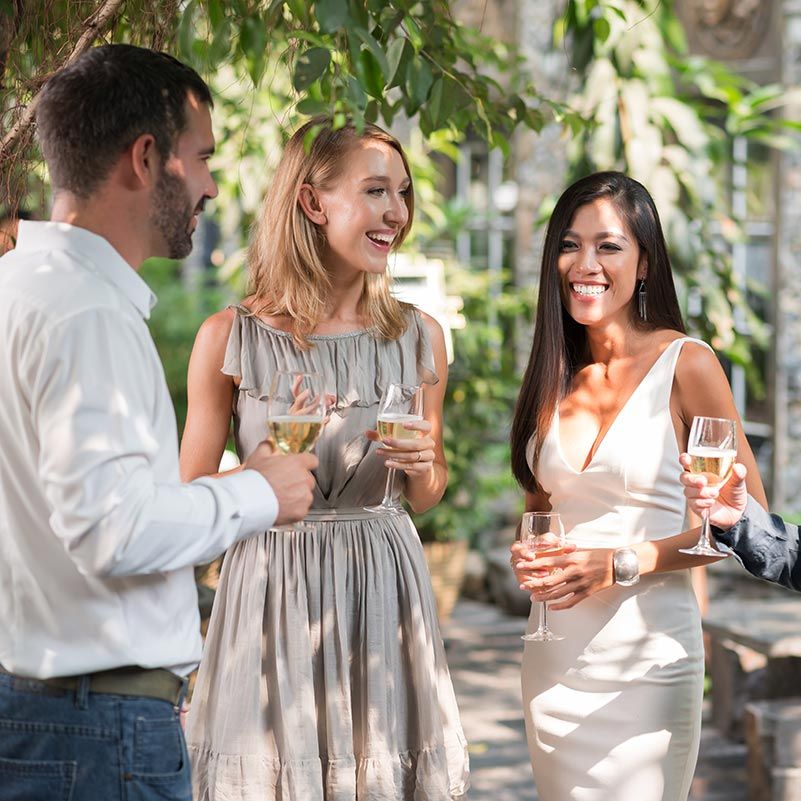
point(184, 184)
point(599, 264)
point(364, 210)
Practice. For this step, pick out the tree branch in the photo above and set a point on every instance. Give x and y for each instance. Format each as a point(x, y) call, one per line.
point(96, 25)
point(9, 27)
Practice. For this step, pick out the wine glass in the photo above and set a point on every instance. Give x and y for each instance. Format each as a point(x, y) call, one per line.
point(295, 416)
point(542, 533)
point(713, 450)
point(399, 404)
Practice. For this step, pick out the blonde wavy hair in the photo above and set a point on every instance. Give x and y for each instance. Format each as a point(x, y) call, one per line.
point(287, 274)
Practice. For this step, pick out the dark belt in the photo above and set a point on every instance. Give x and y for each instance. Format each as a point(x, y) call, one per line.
point(155, 683)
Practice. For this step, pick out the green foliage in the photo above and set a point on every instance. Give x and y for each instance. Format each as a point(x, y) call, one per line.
point(482, 388)
point(175, 321)
point(358, 59)
point(367, 61)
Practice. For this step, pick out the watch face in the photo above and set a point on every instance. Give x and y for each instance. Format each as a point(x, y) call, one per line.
point(626, 567)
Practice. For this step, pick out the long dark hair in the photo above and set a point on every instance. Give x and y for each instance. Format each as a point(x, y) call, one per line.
point(560, 345)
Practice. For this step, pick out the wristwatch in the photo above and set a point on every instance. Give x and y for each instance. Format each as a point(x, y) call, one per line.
point(625, 567)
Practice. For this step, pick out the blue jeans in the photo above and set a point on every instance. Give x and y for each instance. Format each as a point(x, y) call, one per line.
point(73, 745)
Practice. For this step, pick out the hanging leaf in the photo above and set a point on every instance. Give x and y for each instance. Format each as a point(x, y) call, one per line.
point(331, 15)
point(395, 53)
point(186, 29)
point(216, 11)
point(418, 82)
point(312, 106)
point(376, 50)
point(370, 75)
point(356, 94)
point(435, 104)
point(414, 32)
point(310, 66)
point(253, 42)
point(220, 44)
point(602, 29)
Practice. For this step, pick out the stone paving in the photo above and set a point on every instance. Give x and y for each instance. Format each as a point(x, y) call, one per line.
point(484, 650)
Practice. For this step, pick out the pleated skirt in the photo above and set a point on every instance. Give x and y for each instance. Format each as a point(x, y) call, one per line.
point(324, 676)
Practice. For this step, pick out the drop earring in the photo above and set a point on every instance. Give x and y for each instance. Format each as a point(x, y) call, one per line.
point(642, 300)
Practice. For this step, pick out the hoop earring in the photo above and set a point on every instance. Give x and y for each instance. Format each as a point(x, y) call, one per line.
point(642, 300)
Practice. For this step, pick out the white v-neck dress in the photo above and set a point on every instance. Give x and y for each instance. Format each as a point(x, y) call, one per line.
point(613, 711)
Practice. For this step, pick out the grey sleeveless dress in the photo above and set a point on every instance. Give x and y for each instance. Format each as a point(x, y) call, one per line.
point(323, 675)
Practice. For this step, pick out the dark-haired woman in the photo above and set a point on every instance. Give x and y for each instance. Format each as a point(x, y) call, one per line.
point(613, 710)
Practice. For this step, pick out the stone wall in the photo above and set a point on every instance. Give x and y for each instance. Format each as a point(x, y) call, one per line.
point(540, 158)
point(787, 485)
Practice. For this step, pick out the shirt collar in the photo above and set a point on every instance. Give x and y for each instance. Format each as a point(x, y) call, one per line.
point(99, 252)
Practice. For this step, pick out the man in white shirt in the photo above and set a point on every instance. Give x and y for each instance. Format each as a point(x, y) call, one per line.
point(98, 607)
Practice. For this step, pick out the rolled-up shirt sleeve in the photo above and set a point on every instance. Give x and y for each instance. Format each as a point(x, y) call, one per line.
point(95, 384)
point(764, 544)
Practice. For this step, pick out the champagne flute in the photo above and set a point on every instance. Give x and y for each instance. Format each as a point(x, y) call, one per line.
point(295, 416)
point(399, 404)
point(713, 450)
point(542, 533)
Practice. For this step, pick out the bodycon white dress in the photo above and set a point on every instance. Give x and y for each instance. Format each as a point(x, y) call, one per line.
point(613, 711)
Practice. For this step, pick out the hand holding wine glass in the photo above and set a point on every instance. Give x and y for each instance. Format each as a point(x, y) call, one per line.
point(712, 449)
point(400, 420)
point(296, 414)
point(544, 535)
point(725, 502)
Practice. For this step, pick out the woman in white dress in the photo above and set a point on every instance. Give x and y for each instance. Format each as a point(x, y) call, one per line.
point(613, 711)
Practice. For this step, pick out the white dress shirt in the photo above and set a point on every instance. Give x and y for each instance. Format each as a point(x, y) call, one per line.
point(97, 533)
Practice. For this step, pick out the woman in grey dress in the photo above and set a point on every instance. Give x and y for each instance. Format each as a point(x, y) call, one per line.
point(324, 676)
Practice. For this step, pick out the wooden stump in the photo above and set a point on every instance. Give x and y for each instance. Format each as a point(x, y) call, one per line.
point(773, 736)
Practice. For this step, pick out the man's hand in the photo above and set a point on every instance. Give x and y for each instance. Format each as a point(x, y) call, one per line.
point(289, 476)
point(725, 503)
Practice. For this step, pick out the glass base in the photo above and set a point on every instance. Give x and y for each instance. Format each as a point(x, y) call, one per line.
point(385, 509)
point(542, 636)
point(703, 550)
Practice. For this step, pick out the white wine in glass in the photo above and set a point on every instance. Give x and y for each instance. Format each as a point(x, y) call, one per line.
point(294, 434)
point(391, 426)
point(295, 415)
point(712, 449)
point(544, 535)
point(399, 404)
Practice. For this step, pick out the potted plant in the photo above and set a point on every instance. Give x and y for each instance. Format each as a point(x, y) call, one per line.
point(482, 387)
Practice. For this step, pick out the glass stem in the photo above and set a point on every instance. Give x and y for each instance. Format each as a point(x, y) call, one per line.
point(705, 528)
point(389, 492)
point(543, 616)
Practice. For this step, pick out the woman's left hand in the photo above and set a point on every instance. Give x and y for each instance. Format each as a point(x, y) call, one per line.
point(571, 577)
point(415, 456)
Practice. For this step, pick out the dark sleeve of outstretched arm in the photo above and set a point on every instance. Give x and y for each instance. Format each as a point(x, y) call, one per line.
point(765, 545)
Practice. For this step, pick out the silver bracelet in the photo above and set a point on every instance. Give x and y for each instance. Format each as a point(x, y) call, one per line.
point(625, 567)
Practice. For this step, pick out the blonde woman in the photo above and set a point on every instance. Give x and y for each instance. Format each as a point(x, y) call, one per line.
point(324, 675)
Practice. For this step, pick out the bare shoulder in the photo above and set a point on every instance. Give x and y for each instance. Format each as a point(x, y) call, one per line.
point(215, 330)
point(696, 362)
point(660, 340)
point(211, 343)
point(433, 328)
point(700, 386)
